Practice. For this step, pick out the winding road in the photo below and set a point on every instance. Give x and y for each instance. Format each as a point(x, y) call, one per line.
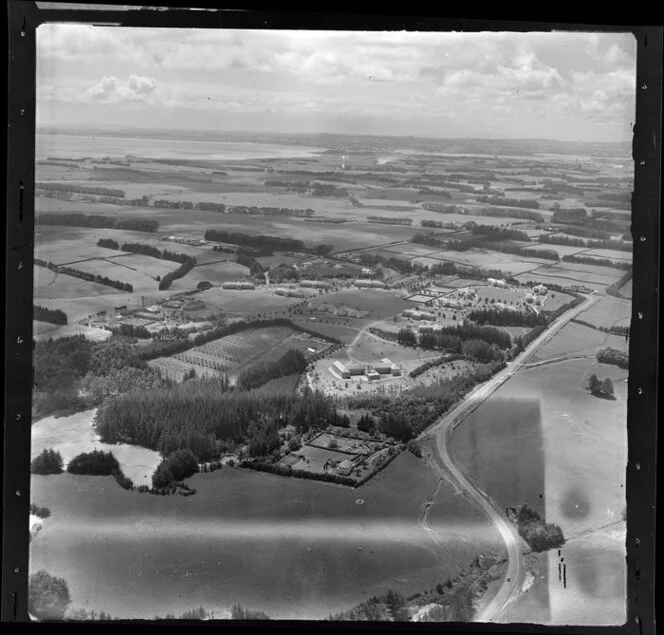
point(440, 433)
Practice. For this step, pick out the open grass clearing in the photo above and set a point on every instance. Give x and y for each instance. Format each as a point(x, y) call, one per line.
point(248, 301)
point(75, 434)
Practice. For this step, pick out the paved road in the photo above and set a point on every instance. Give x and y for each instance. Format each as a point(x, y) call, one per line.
point(440, 431)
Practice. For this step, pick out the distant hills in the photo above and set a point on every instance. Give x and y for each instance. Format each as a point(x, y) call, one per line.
point(364, 143)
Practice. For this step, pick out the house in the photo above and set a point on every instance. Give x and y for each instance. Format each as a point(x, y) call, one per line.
point(341, 369)
point(345, 467)
point(395, 370)
point(230, 285)
point(315, 284)
point(540, 289)
point(195, 305)
point(247, 285)
point(356, 369)
point(384, 366)
point(372, 375)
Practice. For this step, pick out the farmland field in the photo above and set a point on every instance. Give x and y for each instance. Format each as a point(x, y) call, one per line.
point(578, 339)
point(380, 304)
point(166, 550)
point(612, 254)
point(60, 286)
point(245, 302)
point(588, 275)
point(609, 311)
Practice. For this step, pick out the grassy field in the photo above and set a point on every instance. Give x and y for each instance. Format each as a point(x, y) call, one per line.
point(59, 286)
point(612, 254)
point(380, 304)
point(561, 250)
point(370, 349)
point(565, 274)
point(245, 302)
point(163, 554)
point(578, 339)
point(608, 311)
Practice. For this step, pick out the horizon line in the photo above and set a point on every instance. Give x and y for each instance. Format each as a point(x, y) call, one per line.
point(129, 127)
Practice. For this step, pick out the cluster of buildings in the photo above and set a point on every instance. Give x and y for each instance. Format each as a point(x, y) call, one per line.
point(540, 289)
point(367, 283)
point(314, 284)
point(289, 293)
point(467, 292)
point(371, 371)
point(238, 286)
point(194, 242)
point(414, 314)
point(494, 282)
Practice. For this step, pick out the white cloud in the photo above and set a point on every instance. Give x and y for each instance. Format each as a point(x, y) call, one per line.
point(112, 89)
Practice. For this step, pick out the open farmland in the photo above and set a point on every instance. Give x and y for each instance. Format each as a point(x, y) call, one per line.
point(609, 311)
point(611, 254)
point(565, 274)
point(578, 339)
point(246, 302)
point(379, 304)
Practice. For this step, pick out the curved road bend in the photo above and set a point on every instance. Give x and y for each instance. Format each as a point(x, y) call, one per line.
point(441, 429)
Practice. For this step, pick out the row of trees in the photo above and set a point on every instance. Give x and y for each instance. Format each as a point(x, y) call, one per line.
point(149, 250)
point(507, 317)
point(272, 243)
point(493, 232)
point(511, 202)
point(186, 266)
point(586, 244)
point(98, 221)
point(80, 189)
point(52, 316)
point(600, 262)
point(84, 275)
point(466, 331)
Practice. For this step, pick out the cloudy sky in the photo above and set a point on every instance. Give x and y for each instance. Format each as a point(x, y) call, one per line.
point(568, 86)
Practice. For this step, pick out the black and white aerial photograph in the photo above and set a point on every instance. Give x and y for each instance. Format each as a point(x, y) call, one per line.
point(331, 325)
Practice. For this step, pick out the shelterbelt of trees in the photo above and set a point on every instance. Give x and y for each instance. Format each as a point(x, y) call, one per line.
point(84, 275)
point(52, 316)
point(199, 416)
point(98, 221)
point(587, 244)
point(80, 189)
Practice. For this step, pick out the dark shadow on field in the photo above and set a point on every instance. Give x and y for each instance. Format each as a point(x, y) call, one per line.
point(500, 447)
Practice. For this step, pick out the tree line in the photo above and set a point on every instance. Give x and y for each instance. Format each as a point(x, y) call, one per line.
point(511, 202)
point(493, 232)
point(586, 244)
point(202, 415)
point(273, 243)
point(97, 221)
point(80, 189)
point(186, 266)
point(613, 356)
point(84, 275)
point(600, 262)
point(52, 316)
point(506, 317)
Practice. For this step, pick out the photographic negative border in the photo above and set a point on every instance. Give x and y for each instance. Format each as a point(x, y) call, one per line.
point(25, 17)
